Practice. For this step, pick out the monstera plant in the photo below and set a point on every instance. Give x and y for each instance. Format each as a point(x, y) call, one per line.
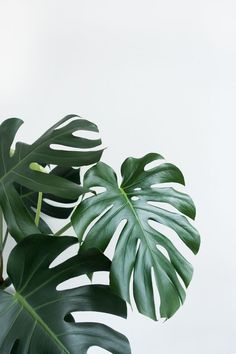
point(41, 182)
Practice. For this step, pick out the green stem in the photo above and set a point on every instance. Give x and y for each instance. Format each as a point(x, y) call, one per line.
point(63, 229)
point(5, 239)
point(39, 206)
point(67, 226)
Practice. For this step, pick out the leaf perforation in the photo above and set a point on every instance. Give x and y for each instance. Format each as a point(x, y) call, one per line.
point(43, 313)
point(15, 170)
point(138, 214)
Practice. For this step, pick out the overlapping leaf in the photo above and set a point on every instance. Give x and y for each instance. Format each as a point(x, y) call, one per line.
point(37, 318)
point(16, 170)
point(59, 210)
point(139, 248)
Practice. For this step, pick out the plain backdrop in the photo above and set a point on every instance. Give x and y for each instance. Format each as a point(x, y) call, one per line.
point(155, 76)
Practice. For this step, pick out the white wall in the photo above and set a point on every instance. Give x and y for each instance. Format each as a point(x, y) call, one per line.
point(155, 76)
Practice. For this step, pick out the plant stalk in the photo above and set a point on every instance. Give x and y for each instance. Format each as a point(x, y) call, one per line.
point(63, 229)
point(39, 207)
point(5, 239)
point(67, 226)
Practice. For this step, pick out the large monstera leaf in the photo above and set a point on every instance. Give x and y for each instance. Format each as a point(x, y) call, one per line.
point(17, 169)
point(37, 318)
point(140, 246)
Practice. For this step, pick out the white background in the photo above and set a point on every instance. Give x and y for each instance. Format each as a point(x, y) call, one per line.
point(155, 76)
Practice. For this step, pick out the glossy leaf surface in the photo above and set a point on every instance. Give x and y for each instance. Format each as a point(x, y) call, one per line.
point(140, 246)
point(15, 168)
point(62, 208)
point(37, 318)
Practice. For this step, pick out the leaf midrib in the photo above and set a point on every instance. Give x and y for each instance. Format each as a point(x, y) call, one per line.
point(136, 217)
point(27, 307)
point(143, 231)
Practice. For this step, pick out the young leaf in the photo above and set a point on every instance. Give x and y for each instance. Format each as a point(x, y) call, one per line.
point(16, 168)
point(138, 249)
point(37, 318)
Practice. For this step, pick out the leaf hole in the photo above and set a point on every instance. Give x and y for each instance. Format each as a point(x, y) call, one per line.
point(59, 204)
point(137, 246)
point(135, 198)
point(153, 164)
point(95, 220)
point(68, 253)
point(86, 134)
point(100, 278)
point(64, 124)
point(156, 295)
point(60, 147)
point(172, 236)
point(163, 205)
point(99, 189)
point(97, 350)
point(181, 281)
point(73, 283)
point(132, 305)
point(114, 239)
point(99, 317)
point(163, 251)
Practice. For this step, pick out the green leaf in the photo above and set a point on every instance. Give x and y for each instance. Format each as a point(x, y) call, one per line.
point(16, 167)
point(139, 247)
point(62, 209)
point(37, 318)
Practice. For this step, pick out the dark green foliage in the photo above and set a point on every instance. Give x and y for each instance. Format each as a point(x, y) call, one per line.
point(37, 315)
point(58, 211)
point(15, 170)
point(43, 179)
point(131, 202)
